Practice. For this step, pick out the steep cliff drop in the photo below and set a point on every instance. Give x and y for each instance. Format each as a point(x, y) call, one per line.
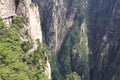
point(104, 39)
point(61, 25)
point(71, 29)
point(34, 27)
point(31, 32)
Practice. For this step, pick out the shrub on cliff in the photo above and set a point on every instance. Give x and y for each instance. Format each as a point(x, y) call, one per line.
point(73, 76)
point(13, 62)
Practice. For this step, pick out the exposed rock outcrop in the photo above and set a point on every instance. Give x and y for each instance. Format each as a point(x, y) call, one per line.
point(61, 20)
point(64, 25)
point(57, 18)
point(104, 39)
point(30, 11)
point(32, 24)
point(7, 10)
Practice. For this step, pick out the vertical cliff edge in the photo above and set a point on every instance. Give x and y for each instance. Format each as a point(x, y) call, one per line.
point(65, 33)
point(30, 33)
point(83, 39)
point(104, 39)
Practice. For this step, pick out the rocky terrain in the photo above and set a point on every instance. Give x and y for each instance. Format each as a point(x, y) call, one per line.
point(104, 39)
point(31, 29)
point(83, 36)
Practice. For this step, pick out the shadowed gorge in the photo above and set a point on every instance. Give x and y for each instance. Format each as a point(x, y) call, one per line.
point(59, 39)
point(104, 30)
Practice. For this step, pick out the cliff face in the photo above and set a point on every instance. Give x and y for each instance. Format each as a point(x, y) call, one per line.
point(104, 39)
point(64, 30)
point(31, 30)
point(25, 8)
point(57, 17)
point(30, 11)
point(7, 8)
point(53, 16)
point(64, 25)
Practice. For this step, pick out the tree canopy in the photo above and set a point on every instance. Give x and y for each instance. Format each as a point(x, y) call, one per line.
point(73, 76)
point(14, 65)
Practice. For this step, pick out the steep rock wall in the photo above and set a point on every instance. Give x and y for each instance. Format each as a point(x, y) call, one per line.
point(57, 18)
point(30, 11)
point(104, 39)
point(32, 26)
point(61, 21)
point(7, 10)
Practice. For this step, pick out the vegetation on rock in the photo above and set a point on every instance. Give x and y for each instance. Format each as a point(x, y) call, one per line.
point(14, 65)
point(73, 76)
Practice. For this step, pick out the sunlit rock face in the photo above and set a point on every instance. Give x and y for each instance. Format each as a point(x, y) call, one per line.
point(104, 39)
point(7, 8)
point(30, 12)
point(35, 28)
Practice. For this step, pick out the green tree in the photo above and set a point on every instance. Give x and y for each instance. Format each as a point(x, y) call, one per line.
point(14, 65)
point(73, 76)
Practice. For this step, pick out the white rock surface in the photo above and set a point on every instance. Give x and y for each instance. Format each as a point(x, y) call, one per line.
point(7, 8)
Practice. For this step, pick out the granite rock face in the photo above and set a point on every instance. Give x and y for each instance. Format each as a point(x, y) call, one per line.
point(31, 30)
point(104, 39)
point(7, 8)
point(58, 16)
point(63, 25)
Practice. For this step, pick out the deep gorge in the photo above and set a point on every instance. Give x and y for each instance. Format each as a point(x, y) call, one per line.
point(60, 39)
